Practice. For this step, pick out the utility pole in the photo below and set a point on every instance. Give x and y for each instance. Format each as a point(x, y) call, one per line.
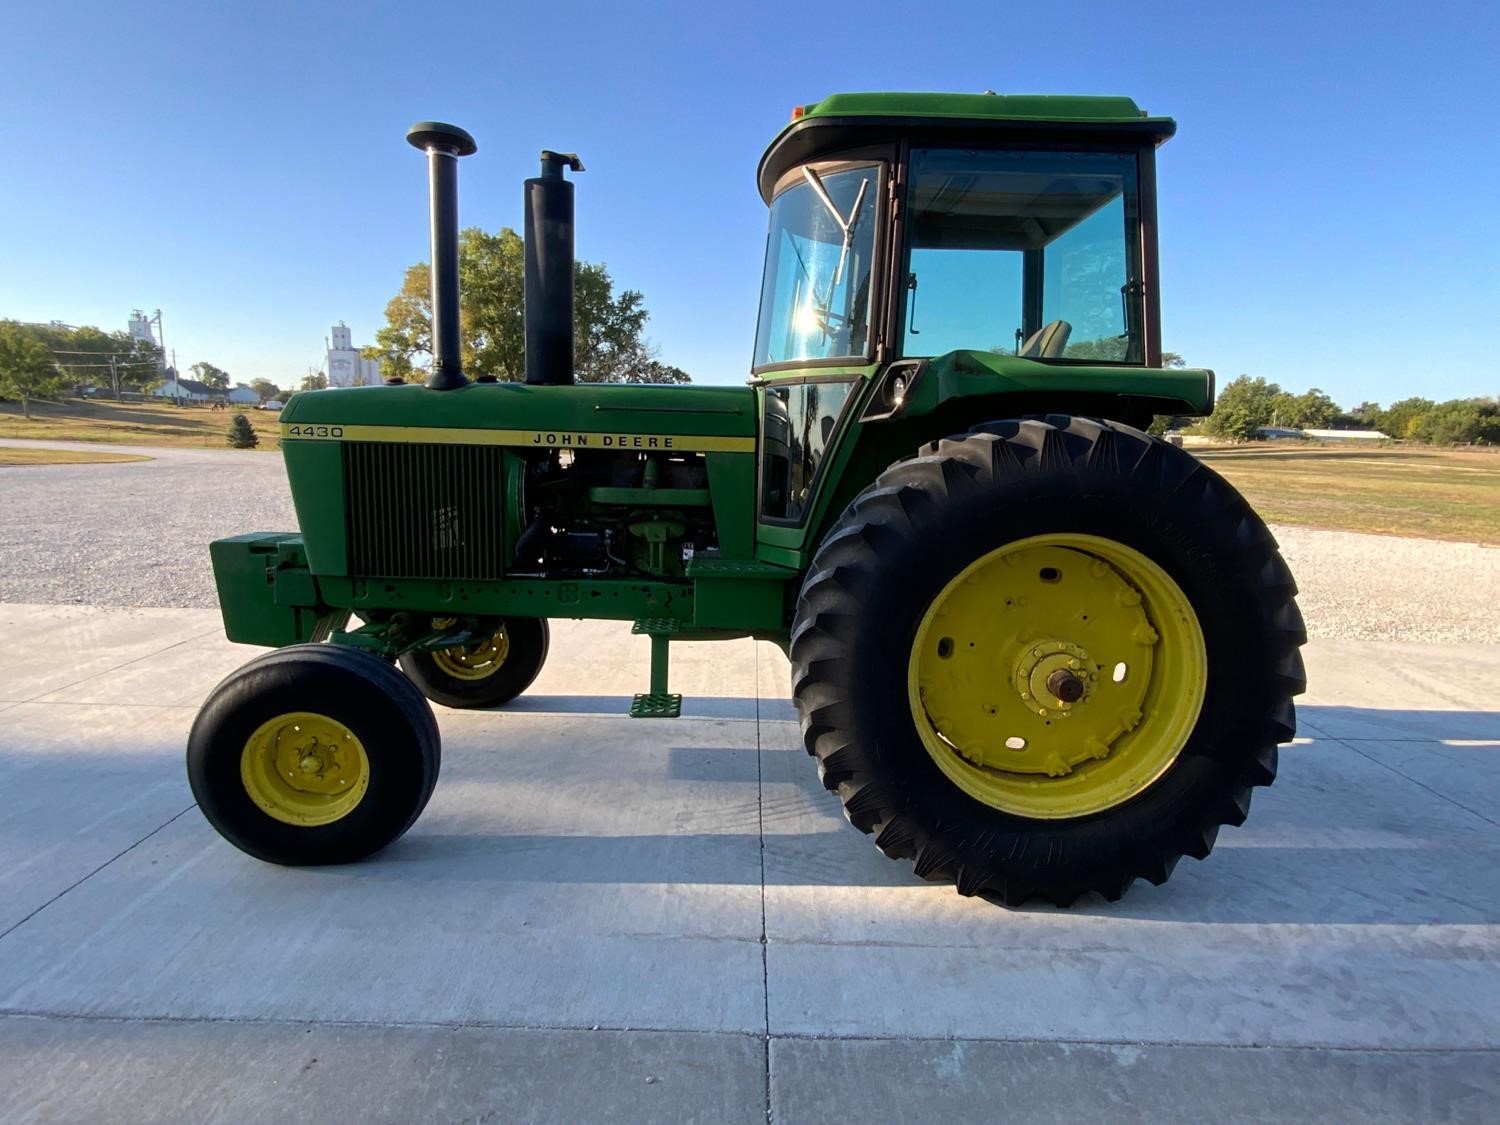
point(176, 378)
point(114, 376)
point(161, 340)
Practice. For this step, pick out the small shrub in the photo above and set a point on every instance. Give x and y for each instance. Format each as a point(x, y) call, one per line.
point(241, 436)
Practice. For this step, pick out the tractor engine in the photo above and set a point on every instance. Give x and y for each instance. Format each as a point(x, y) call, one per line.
point(626, 514)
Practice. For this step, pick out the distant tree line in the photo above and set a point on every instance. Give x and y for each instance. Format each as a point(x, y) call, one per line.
point(1247, 405)
point(40, 361)
point(50, 361)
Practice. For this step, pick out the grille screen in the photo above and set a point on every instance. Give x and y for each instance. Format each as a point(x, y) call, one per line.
point(424, 511)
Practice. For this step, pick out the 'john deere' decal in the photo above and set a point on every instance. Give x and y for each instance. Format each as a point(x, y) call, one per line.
point(540, 439)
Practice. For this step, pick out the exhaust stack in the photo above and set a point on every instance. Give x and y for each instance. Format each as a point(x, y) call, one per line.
point(444, 144)
point(549, 271)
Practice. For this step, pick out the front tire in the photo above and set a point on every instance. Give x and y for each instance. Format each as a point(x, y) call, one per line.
point(313, 754)
point(493, 671)
point(1045, 658)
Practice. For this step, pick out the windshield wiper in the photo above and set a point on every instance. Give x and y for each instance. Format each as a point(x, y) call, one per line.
point(846, 225)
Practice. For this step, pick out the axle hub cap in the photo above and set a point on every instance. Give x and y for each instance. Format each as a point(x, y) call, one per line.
point(1057, 676)
point(305, 769)
point(478, 661)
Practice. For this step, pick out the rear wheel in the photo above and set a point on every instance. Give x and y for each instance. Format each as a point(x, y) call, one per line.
point(313, 754)
point(496, 668)
point(1047, 658)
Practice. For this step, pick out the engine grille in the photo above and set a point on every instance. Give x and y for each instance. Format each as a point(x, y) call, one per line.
point(424, 511)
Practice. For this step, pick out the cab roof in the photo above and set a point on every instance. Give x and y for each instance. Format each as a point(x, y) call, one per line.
point(842, 121)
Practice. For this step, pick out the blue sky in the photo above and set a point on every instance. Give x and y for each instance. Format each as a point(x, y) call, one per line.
point(1330, 211)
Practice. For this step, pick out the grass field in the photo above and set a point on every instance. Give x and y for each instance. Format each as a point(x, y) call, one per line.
point(1395, 490)
point(132, 423)
point(13, 455)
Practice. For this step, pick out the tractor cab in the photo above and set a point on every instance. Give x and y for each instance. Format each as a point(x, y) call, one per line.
point(918, 225)
point(1002, 246)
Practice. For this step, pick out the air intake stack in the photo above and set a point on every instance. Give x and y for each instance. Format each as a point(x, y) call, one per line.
point(549, 271)
point(444, 144)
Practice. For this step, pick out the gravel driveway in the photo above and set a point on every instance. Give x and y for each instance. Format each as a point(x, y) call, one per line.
point(137, 534)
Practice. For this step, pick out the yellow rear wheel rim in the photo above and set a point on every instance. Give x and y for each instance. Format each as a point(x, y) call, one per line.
point(1057, 676)
point(473, 662)
point(305, 769)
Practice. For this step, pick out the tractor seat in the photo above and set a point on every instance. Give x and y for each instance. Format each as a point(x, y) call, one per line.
point(1047, 342)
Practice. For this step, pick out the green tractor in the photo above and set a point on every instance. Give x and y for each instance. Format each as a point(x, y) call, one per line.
point(1034, 650)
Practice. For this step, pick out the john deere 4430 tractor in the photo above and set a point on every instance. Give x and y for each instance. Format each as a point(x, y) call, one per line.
point(1033, 649)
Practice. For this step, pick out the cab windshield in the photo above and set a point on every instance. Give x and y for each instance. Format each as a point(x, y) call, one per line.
point(815, 295)
point(1025, 253)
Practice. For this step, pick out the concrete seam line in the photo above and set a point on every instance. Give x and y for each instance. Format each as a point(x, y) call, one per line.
point(12, 929)
point(1441, 796)
point(118, 667)
point(42, 1016)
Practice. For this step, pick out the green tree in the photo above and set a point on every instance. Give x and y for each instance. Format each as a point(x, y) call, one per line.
point(1242, 407)
point(26, 367)
point(1404, 419)
point(1161, 423)
point(1458, 422)
point(314, 381)
point(241, 434)
point(1367, 414)
point(608, 343)
point(89, 356)
point(209, 375)
point(1312, 410)
point(266, 389)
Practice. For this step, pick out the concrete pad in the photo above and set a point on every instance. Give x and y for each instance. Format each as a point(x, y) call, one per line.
point(178, 676)
point(81, 786)
point(563, 862)
point(107, 1072)
point(1389, 690)
point(1462, 770)
point(577, 869)
point(54, 647)
point(957, 1082)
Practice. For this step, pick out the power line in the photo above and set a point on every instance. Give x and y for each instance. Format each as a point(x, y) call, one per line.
point(118, 363)
point(69, 351)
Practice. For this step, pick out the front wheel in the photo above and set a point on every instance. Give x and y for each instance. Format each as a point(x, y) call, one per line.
point(313, 754)
point(496, 668)
point(1047, 657)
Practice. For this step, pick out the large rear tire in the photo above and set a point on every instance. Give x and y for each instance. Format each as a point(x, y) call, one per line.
point(1046, 658)
point(313, 754)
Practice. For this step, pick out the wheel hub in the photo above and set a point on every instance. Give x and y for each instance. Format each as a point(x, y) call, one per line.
point(1034, 671)
point(304, 768)
point(472, 662)
point(1052, 676)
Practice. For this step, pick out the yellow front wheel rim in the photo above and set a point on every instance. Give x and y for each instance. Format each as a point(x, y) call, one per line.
point(473, 662)
point(305, 769)
point(1057, 676)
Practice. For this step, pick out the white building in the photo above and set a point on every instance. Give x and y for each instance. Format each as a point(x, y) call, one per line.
point(242, 394)
point(346, 367)
point(141, 333)
point(186, 390)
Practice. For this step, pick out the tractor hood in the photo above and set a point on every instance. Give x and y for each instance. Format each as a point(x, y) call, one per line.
point(597, 416)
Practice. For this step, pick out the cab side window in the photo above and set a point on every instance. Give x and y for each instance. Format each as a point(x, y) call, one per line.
point(799, 423)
